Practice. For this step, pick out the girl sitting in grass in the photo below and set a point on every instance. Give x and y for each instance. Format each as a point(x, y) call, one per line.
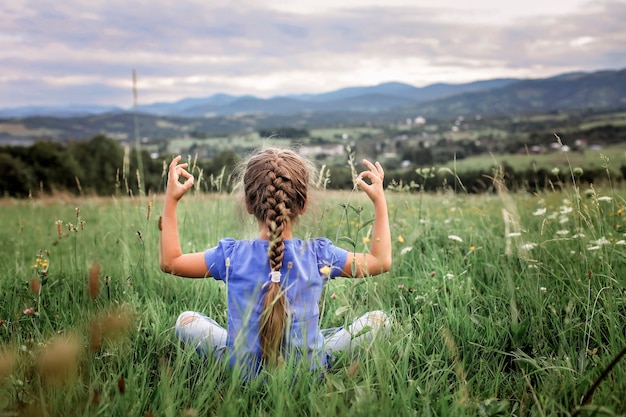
point(274, 283)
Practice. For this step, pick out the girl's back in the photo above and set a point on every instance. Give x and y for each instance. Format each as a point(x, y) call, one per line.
point(243, 266)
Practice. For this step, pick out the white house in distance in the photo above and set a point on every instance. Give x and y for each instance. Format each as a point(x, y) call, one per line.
point(327, 149)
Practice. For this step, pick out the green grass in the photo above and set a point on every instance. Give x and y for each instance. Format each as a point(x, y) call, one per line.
point(337, 134)
point(589, 159)
point(492, 314)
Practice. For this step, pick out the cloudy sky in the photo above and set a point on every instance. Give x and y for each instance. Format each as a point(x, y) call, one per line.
point(84, 51)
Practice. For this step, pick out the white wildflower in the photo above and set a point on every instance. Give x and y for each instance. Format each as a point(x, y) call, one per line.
point(621, 242)
point(449, 276)
point(605, 198)
point(578, 235)
point(562, 232)
point(455, 238)
point(529, 246)
point(539, 212)
point(563, 220)
point(543, 289)
point(566, 210)
point(514, 234)
point(406, 250)
point(602, 241)
point(590, 248)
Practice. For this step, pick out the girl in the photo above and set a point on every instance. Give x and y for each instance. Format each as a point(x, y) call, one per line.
point(274, 283)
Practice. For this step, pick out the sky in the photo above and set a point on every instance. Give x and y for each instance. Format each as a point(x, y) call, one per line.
point(74, 52)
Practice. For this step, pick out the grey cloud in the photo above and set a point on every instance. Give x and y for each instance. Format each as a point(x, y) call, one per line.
point(109, 38)
point(46, 94)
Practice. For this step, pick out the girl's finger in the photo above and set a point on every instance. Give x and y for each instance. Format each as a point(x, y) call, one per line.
point(381, 172)
point(185, 173)
point(369, 165)
point(377, 168)
point(369, 174)
point(175, 161)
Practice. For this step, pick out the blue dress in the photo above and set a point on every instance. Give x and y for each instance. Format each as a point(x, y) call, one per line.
point(244, 267)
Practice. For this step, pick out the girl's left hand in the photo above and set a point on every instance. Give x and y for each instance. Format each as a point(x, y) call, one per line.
point(175, 188)
point(375, 174)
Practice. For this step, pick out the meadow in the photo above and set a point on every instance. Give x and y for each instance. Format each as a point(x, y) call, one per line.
point(501, 304)
point(610, 159)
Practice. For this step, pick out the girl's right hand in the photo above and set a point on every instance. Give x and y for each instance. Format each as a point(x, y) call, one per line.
point(175, 188)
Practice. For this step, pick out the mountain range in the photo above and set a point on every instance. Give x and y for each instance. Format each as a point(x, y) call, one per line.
point(601, 89)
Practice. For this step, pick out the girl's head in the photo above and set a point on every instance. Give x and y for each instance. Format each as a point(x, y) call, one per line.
point(276, 187)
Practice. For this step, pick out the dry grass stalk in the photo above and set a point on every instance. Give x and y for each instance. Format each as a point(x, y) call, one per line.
point(453, 351)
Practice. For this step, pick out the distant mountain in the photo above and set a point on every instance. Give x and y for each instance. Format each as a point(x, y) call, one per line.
point(183, 106)
point(381, 104)
point(372, 99)
point(597, 90)
point(74, 110)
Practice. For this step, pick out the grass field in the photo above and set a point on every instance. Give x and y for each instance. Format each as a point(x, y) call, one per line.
point(508, 304)
point(612, 158)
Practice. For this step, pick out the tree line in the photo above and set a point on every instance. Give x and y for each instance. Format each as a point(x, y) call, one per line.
point(102, 166)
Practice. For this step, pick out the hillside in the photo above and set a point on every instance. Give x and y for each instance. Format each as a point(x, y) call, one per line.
point(377, 105)
point(596, 91)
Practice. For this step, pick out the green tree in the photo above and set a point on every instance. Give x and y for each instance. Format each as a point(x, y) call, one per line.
point(101, 159)
point(15, 179)
point(150, 178)
point(53, 167)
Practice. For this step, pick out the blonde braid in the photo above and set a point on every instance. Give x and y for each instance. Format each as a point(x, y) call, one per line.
point(275, 184)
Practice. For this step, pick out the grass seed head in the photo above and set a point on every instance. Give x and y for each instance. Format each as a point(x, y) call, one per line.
point(95, 335)
point(190, 412)
point(7, 363)
point(35, 286)
point(110, 326)
point(117, 323)
point(121, 385)
point(95, 397)
point(94, 280)
point(58, 360)
point(353, 369)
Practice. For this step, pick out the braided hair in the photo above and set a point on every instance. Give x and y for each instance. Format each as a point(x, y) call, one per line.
point(275, 183)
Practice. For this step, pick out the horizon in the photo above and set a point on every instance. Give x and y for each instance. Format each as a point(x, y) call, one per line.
point(288, 94)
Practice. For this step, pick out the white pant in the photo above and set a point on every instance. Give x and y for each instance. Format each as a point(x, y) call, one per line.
point(208, 336)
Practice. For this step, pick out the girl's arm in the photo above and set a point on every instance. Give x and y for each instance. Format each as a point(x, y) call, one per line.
point(378, 260)
point(171, 258)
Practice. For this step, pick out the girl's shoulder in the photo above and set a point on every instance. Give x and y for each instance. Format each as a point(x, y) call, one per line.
point(322, 247)
point(311, 242)
point(315, 244)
